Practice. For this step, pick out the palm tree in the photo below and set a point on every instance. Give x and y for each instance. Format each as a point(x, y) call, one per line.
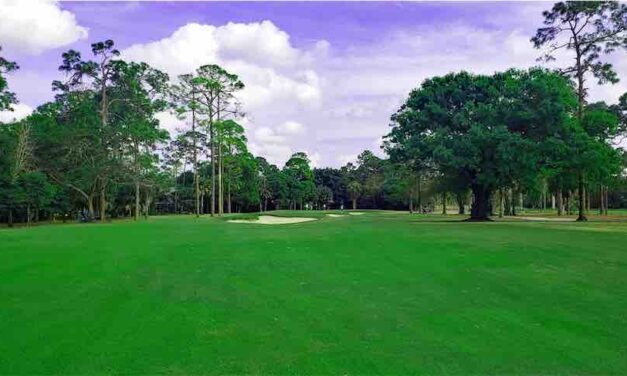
point(354, 191)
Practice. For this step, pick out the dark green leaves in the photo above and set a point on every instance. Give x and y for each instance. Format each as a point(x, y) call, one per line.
point(7, 98)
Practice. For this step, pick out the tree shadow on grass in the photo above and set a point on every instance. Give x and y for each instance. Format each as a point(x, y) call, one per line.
point(441, 221)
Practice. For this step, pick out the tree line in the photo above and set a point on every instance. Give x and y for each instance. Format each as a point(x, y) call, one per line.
point(487, 144)
point(98, 148)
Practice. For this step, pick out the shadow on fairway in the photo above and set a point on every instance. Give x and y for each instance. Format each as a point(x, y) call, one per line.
point(443, 221)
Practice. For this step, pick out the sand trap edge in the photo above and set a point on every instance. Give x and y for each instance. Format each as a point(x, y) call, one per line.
point(272, 220)
point(543, 219)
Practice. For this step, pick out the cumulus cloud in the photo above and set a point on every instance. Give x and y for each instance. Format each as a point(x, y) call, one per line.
point(347, 95)
point(268, 136)
point(332, 101)
point(276, 143)
point(262, 42)
point(259, 52)
point(267, 143)
point(32, 26)
point(364, 84)
point(20, 111)
point(291, 127)
point(281, 80)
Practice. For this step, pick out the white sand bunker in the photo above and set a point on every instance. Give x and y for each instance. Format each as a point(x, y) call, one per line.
point(547, 219)
point(336, 215)
point(356, 213)
point(272, 220)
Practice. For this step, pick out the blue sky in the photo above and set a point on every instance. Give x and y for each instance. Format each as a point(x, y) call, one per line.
point(322, 78)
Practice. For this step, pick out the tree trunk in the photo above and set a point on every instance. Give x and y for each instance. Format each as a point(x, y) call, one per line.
point(585, 200)
point(103, 203)
point(228, 195)
point(10, 219)
point(213, 168)
point(136, 200)
point(27, 215)
point(90, 207)
point(501, 203)
point(411, 202)
point(147, 203)
point(560, 202)
point(104, 112)
point(419, 198)
point(480, 203)
point(491, 206)
point(507, 202)
point(581, 96)
point(582, 199)
point(354, 203)
point(444, 203)
point(553, 202)
point(196, 178)
point(220, 190)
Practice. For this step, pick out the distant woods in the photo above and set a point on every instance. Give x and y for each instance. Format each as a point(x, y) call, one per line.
point(481, 145)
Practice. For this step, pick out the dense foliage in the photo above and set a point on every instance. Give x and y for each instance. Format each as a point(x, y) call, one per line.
point(486, 143)
point(510, 130)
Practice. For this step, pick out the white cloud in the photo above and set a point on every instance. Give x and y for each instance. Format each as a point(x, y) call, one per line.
point(268, 136)
point(20, 111)
point(275, 144)
point(277, 153)
point(280, 80)
point(346, 95)
point(315, 158)
point(32, 26)
point(262, 42)
point(364, 84)
point(291, 127)
point(170, 122)
point(346, 158)
point(259, 52)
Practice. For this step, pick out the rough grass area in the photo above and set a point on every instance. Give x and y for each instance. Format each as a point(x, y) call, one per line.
point(376, 293)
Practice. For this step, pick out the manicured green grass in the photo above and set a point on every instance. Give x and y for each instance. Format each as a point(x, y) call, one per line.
point(378, 293)
point(591, 214)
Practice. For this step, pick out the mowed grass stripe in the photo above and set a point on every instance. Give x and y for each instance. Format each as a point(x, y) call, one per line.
point(376, 293)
